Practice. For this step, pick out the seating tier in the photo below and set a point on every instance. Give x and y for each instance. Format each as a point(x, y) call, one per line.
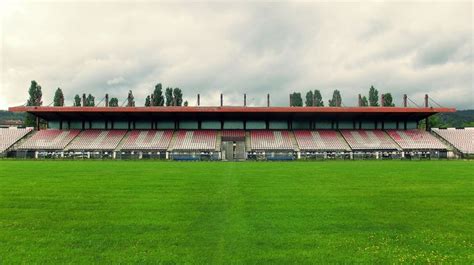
point(97, 140)
point(202, 140)
point(327, 140)
point(51, 139)
point(415, 140)
point(270, 140)
point(148, 140)
point(461, 139)
point(9, 136)
point(369, 140)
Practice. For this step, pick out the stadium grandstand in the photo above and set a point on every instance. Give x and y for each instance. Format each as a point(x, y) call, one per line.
point(235, 133)
point(462, 140)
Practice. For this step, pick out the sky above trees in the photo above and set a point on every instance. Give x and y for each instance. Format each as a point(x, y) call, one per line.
point(254, 48)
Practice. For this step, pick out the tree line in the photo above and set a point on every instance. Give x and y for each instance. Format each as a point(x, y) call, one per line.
point(314, 99)
point(172, 97)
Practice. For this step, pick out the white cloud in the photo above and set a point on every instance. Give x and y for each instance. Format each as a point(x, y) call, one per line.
point(115, 81)
point(253, 48)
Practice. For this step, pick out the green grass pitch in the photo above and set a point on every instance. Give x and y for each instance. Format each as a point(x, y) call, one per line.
point(236, 213)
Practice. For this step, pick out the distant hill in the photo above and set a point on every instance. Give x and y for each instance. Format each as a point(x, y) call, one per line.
point(10, 116)
point(460, 118)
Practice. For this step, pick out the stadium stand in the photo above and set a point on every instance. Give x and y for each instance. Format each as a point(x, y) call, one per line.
point(270, 140)
point(461, 139)
point(195, 140)
point(369, 140)
point(322, 140)
point(97, 140)
point(415, 140)
point(148, 140)
point(51, 139)
point(9, 136)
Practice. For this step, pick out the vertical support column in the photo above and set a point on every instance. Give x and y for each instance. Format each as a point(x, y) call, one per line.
point(199, 100)
point(245, 100)
point(268, 100)
point(37, 123)
point(36, 154)
point(382, 98)
point(405, 102)
point(106, 100)
point(83, 100)
point(222, 100)
point(427, 126)
point(360, 100)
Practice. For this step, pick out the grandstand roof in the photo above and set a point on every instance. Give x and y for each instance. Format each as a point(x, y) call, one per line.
point(229, 112)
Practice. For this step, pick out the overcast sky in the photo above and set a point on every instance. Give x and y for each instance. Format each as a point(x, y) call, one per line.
point(253, 48)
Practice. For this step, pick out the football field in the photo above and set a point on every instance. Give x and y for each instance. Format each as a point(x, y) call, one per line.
point(236, 213)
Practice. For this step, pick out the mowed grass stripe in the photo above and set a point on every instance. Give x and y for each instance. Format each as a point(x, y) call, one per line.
point(235, 213)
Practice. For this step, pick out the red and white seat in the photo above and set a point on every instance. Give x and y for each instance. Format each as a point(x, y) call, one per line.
point(97, 140)
point(195, 140)
point(51, 139)
point(148, 140)
point(237, 134)
point(461, 139)
point(369, 140)
point(270, 140)
point(322, 140)
point(9, 136)
point(415, 140)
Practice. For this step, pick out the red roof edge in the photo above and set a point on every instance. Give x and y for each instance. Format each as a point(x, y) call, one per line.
point(231, 109)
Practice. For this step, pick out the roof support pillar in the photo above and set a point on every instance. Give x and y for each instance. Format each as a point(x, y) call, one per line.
point(222, 100)
point(426, 101)
point(199, 100)
point(106, 100)
point(245, 100)
point(405, 102)
point(268, 100)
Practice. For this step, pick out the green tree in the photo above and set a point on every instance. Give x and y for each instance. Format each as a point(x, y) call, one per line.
point(130, 99)
point(90, 101)
point(318, 99)
point(147, 101)
point(169, 96)
point(388, 100)
point(157, 96)
point(58, 98)
point(309, 99)
point(185, 103)
point(336, 100)
point(113, 102)
point(296, 100)
point(373, 97)
point(177, 97)
point(77, 101)
point(364, 102)
point(35, 99)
